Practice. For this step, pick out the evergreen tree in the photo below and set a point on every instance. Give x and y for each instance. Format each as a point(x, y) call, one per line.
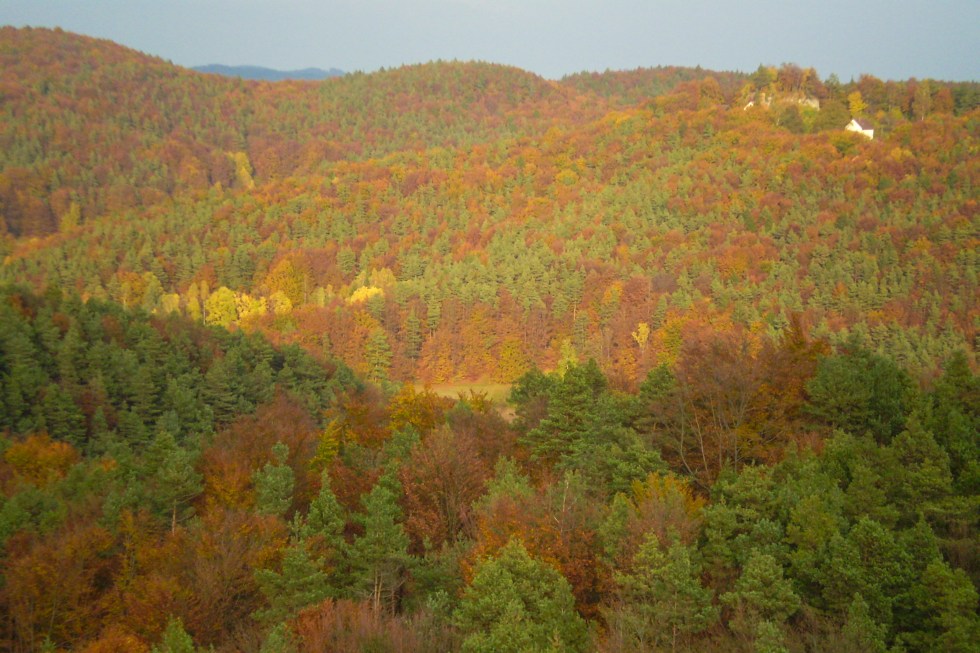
point(379, 558)
point(663, 595)
point(63, 419)
point(943, 612)
point(521, 605)
point(279, 640)
point(377, 352)
point(274, 483)
point(323, 532)
point(171, 479)
point(175, 639)
point(762, 593)
point(860, 392)
point(300, 582)
point(861, 633)
point(413, 335)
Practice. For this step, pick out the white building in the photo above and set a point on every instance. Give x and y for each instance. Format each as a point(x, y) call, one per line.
point(855, 126)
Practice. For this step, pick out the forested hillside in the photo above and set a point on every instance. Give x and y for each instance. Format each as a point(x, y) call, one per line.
point(89, 123)
point(605, 239)
point(168, 485)
point(740, 340)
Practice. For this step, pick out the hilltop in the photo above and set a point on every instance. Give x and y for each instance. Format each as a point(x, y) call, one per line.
point(152, 130)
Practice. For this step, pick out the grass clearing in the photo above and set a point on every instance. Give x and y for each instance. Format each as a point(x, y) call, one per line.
point(496, 392)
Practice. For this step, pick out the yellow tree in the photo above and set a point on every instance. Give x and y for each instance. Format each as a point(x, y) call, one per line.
point(287, 278)
point(856, 104)
point(221, 307)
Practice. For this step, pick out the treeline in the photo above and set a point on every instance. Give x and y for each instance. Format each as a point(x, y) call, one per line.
point(784, 498)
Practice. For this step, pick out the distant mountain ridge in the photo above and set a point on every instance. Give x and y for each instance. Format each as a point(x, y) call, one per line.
point(268, 74)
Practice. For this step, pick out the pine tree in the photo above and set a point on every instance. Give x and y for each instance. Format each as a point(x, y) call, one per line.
point(762, 593)
point(274, 483)
point(171, 479)
point(377, 351)
point(300, 582)
point(860, 632)
point(175, 639)
point(517, 604)
point(379, 558)
point(279, 640)
point(413, 335)
point(663, 591)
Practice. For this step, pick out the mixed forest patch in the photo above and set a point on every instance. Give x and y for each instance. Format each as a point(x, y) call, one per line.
point(452, 357)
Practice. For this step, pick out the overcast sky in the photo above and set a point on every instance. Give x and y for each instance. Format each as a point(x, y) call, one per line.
point(893, 39)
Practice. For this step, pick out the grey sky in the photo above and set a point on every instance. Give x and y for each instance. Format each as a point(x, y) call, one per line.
point(893, 39)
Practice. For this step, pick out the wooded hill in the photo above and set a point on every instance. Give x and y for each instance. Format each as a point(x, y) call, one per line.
point(756, 428)
point(453, 221)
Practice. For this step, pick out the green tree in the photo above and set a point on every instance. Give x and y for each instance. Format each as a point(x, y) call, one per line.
point(323, 532)
point(63, 419)
point(944, 612)
point(860, 392)
point(762, 593)
point(175, 639)
point(861, 633)
point(768, 638)
point(377, 351)
point(833, 115)
point(585, 429)
point(325, 518)
point(663, 595)
point(520, 605)
point(171, 478)
point(379, 558)
point(954, 420)
point(279, 640)
point(274, 483)
point(300, 582)
point(347, 261)
point(413, 335)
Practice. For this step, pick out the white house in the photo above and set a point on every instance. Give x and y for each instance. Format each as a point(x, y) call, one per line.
point(855, 126)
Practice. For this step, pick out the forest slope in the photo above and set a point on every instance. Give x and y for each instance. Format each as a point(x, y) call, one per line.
point(90, 127)
point(480, 261)
point(465, 221)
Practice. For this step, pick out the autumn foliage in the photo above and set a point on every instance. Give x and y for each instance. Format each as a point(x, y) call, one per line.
point(250, 336)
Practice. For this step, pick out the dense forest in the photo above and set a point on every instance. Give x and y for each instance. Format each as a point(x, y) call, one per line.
point(739, 341)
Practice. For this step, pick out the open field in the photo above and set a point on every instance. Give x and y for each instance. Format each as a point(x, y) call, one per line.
point(496, 392)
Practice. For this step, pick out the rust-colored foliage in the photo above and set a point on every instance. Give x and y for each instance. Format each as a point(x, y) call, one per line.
point(362, 417)
point(245, 445)
point(115, 640)
point(708, 411)
point(216, 566)
point(557, 525)
point(52, 585)
point(344, 626)
point(38, 460)
point(441, 480)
